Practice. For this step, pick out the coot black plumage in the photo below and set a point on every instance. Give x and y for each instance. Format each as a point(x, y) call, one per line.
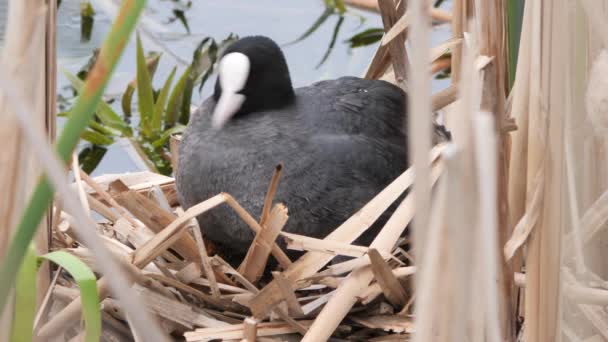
point(341, 142)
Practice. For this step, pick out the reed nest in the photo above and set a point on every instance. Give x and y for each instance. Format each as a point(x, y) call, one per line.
point(198, 295)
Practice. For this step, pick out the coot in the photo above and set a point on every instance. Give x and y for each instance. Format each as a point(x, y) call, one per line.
point(341, 142)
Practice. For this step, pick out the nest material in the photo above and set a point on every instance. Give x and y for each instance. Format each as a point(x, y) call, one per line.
point(199, 296)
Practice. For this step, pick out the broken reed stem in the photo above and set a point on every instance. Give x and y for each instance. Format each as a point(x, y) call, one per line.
point(272, 189)
point(106, 196)
point(198, 237)
point(256, 258)
point(277, 252)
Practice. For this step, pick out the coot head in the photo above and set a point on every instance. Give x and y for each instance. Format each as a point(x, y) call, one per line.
point(253, 76)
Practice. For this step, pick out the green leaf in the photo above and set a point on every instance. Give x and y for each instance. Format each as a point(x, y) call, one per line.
point(159, 107)
point(103, 129)
point(166, 134)
point(339, 4)
point(332, 42)
point(366, 37)
point(320, 20)
point(96, 138)
point(127, 98)
point(145, 95)
point(87, 282)
point(90, 157)
point(25, 298)
point(104, 112)
point(175, 99)
point(181, 16)
point(87, 18)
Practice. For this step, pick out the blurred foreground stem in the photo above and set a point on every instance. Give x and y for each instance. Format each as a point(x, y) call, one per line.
point(81, 115)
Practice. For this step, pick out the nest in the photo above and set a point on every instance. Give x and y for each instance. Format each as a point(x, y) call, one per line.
point(197, 295)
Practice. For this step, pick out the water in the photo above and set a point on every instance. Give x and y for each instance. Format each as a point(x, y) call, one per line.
point(281, 21)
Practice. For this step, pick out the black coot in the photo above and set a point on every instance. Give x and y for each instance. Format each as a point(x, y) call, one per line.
point(341, 142)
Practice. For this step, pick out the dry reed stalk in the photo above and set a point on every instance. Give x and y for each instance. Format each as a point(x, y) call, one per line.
point(545, 138)
point(419, 125)
point(396, 47)
point(491, 18)
point(233, 332)
point(24, 54)
point(347, 232)
point(487, 239)
point(305, 243)
point(459, 15)
point(518, 198)
point(426, 279)
point(174, 142)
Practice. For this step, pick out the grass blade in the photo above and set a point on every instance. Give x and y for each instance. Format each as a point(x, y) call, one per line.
point(127, 97)
point(96, 138)
point(175, 100)
point(82, 113)
point(104, 112)
point(366, 37)
point(168, 133)
point(322, 18)
point(25, 299)
point(159, 107)
point(145, 94)
point(87, 283)
point(332, 42)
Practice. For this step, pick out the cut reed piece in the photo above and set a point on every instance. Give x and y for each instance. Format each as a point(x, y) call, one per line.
point(305, 243)
point(209, 272)
point(374, 290)
point(392, 289)
point(295, 310)
point(236, 331)
point(255, 261)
